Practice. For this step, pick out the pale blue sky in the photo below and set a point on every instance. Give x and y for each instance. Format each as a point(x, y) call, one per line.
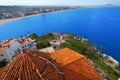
point(59, 2)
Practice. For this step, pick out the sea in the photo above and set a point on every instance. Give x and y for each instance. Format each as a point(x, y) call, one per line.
point(101, 24)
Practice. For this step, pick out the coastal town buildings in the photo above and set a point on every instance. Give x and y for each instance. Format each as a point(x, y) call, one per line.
point(7, 12)
point(68, 63)
point(9, 48)
point(26, 43)
point(12, 47)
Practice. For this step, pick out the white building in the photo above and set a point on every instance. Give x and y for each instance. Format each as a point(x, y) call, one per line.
point(65, 36)
point(3, 54)
point(15, 47)
point(27, 43)
point(9, 51)
point(55, 44)
point(12, 47)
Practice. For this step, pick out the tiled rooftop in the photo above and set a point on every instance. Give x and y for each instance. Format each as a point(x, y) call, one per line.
point(65, 56)
point(63, 64)
point(24, 41)
point(7, 42)
point(75, 66)
point(3, 49)
point(31, 65)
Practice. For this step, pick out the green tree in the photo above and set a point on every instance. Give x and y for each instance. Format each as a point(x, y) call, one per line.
point(42, 43)
point(33, 35)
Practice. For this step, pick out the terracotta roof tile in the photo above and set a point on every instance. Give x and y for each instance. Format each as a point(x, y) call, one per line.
point(63, 64)
point(7, 42)
point(24, 41)
point(65, 56)
point(11, 40)
point(31, 65)
point(3, 49)
point(75, 66)
point(2, 70)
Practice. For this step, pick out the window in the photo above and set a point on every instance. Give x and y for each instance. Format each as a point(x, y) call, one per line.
point(54, 41)
point(54, 47)
point(4, 59)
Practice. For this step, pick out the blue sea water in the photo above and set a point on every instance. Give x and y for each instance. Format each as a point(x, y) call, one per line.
point(100, 24)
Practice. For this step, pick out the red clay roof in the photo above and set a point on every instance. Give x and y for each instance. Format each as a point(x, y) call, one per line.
point(7, 42)
point(34, 65)
point(31, 65)
point(65, 56)
point(75, 66)
point(2, 70)
point(11, 40)
point(3, 49)
point(24, 41)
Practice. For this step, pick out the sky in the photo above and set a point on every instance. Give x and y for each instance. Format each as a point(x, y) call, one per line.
point(59, 2)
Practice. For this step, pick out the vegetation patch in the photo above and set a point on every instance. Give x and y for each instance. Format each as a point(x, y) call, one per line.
point(3, 63)
point(83, 46)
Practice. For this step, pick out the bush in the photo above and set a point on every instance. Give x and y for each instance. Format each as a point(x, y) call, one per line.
point(33, 35)
point(3, 63)
point(42, 44)
point(49, 36)
point(91, 53)
point(118, 68)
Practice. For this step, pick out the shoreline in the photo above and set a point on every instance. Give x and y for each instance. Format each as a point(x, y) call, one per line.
point(14, 19)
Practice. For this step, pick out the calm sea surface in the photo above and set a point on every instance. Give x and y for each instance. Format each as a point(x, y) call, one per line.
point(100, 24)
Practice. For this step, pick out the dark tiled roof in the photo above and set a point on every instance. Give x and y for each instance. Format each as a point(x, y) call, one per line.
point(31, 65)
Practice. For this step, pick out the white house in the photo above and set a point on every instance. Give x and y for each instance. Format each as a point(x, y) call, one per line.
point(9, 51)
point(27, 43)
point(12, 47)
point(55, 44)
point(15, 47)
point(3, 54)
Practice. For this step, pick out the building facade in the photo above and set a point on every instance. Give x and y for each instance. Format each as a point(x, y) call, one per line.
point(12, 47)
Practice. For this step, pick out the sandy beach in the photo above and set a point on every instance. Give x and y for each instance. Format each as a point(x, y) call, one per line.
point(7, 20)
point(13, 19)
